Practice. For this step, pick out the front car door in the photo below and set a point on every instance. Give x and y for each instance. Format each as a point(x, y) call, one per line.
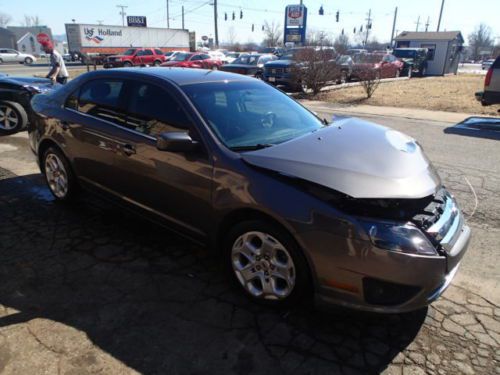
point(174, 185)
point(9, 55)
point(197, 61)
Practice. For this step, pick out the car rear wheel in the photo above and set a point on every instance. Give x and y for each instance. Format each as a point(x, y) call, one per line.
point(157, 63)
point(28, 61)
point(127, 64)
point(13, 117)
point(58, 174)
point(266, 262)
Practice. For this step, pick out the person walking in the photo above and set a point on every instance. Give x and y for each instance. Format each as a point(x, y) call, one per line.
point(58, 72)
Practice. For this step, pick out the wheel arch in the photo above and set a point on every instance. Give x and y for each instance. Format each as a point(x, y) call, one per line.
point(43, 146)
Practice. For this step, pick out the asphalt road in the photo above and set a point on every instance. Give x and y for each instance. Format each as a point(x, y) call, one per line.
point(33, 70)
point(90, 288)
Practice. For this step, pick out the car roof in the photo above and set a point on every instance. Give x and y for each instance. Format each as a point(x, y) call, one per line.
point(179, 76)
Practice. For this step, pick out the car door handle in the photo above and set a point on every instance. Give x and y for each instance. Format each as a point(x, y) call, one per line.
point(128, 149)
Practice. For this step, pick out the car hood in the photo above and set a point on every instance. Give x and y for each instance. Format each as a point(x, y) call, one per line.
point(27, 81)
point(354, 157)
point(279, 63)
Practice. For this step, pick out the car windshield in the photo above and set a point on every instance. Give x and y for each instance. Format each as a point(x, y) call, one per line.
point(247, 60)
point(129, 52)
point(268, 50)
point(402, 53)
point(343, 59)
point(251, 115)
point(181, 57)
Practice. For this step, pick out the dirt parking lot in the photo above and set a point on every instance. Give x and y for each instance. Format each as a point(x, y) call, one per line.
point(454, 93)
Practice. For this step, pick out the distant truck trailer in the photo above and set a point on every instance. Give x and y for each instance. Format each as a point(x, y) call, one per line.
point(93, 43)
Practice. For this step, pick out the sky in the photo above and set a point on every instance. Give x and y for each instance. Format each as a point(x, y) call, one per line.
point(462, 15)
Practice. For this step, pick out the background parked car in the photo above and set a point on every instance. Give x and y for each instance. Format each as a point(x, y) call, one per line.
point(218, 55)
point(231, 56)
point(11, 55)
point(136, 57)
point(344, 65)
point(384, 66)
point(15, 96)
point(171, 54)
point(193, 60)
point(414, 60)
point(279, 72)
point(491, 93)
point(250, 65)
point(487, 63)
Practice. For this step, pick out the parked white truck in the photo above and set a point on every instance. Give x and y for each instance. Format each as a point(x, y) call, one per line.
point(93, 43)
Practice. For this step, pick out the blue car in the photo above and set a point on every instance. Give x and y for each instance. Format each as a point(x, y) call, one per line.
point(278, 72)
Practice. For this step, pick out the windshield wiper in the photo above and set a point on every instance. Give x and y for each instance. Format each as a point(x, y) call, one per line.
point(258, 146)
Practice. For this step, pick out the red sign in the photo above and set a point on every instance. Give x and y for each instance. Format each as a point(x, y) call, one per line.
point(42, 38)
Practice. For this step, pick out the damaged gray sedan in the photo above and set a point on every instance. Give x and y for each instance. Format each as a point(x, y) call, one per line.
point(348, 211)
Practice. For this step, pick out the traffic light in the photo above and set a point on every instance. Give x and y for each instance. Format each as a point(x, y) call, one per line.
point(337, 16)
point(361, 29)
point(253, 27)
point(342, 31)
point(241, 14)
point(225, 16)
point(354, 31)
point(234, 16)
point(262, 27)
point(370, 26)
point(321, 11)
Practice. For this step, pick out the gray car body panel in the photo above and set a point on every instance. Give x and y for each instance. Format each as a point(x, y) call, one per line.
point(355, 157)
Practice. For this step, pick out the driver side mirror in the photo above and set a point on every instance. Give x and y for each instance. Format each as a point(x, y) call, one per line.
point(176, 142)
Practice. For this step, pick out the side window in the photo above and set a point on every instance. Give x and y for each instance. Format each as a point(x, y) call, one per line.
point(72, 100)
point(431, 49)
point(196, 58)
point(100, 98)
point(158, 52)
point(147, 52)
point(152, 111)
point(140, 53)
point(205, 57)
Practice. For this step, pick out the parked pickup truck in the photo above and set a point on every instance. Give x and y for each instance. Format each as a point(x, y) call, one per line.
point(136, 57)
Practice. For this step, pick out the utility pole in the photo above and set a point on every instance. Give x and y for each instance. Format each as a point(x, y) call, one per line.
point(122, 13)
point(394, 24)
point(418, 23)
point(183, 17)
point(168, 17)
point(440, 15)
point(368, 25)
point(215, 25)
point(427, 24)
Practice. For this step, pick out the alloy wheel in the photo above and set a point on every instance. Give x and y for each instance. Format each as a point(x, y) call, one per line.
point(57, 176)
point(263, 266)
point(8, 118)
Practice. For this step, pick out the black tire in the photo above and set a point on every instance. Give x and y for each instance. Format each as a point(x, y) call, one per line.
point(258, 76)
point(72, 185)
point(157, 63)
point(302, 287)
point(17, 112)
point(1, 61)
point(28, 61)
point(127, 64)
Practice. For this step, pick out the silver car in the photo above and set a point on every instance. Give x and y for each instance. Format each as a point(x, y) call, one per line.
point(11, 55)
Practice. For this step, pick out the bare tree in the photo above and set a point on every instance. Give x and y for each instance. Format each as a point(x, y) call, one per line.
point(314, 69)
point(4, 19)
point(480, 39)
point(370, 79)
point(30, 21)
point(341, 44)
point(273, 34)
point(231, 35)
point(318, 38)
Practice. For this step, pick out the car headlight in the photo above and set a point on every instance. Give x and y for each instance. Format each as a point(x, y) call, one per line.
point(401, 238)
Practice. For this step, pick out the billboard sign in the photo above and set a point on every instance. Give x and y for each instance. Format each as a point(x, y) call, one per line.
point(295, 15)
point(136, 21)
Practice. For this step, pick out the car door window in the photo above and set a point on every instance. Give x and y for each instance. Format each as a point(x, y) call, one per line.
point(140, 53)
point(147, 53)
point(101, 98)
point(196, 58)
point(158, 52)
point(152, 111)
point(205, 57)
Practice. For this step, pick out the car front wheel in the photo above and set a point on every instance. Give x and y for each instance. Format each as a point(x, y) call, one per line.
point(58, 174)
point(127, 64)
point(28, 61)
point(267, 263)
point(13, 117)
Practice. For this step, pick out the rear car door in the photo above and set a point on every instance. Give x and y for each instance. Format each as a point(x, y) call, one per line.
point(197, 61)
point(173, 185)
point(148, 57)
point(94, 128)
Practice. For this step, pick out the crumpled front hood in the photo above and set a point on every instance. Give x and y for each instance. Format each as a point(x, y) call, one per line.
point(355, 157)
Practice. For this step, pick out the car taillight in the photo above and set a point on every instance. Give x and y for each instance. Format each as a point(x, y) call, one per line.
point(487, 80)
